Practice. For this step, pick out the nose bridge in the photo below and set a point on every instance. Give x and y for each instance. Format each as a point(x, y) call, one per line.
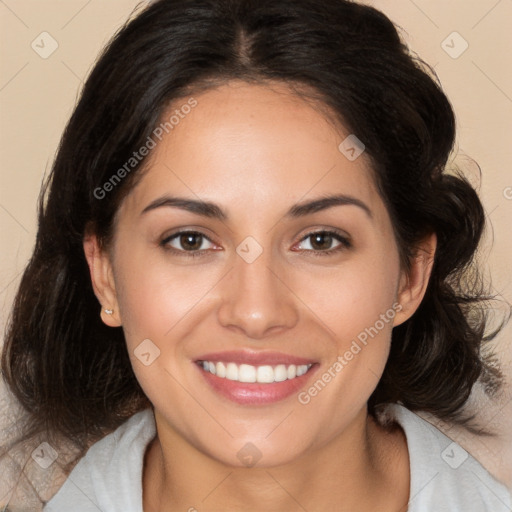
point(255, 299)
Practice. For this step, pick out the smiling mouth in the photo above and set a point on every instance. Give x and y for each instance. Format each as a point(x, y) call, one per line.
point(247, 373)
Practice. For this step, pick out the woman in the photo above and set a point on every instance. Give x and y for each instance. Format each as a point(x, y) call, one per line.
point(250, 271)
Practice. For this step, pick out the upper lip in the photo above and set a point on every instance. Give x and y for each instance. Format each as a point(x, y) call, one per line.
point(254, 358)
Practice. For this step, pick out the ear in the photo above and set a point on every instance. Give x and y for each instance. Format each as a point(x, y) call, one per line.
point(100, 268)
point(413, 283)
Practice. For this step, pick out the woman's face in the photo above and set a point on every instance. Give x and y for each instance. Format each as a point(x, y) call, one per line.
point(266, 288)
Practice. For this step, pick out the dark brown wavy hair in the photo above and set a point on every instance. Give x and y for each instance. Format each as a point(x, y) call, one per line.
point(72, 373)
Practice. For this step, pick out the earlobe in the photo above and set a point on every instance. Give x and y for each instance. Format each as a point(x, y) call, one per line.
point(100, 269)
point(413, 284)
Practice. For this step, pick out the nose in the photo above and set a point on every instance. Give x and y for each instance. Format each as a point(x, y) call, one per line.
point(256, 300)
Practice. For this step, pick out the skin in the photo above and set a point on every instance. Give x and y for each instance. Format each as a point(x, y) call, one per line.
point(256, 151)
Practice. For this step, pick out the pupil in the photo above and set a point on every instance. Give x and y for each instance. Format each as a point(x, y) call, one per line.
point(187, 241)
point(319, 238)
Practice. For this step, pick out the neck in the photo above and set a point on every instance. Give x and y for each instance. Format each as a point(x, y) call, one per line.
point(364, 468)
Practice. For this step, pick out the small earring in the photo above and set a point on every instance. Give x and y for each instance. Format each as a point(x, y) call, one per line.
point(109, 311)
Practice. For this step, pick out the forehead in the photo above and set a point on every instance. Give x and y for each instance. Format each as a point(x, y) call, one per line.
point(252, 146)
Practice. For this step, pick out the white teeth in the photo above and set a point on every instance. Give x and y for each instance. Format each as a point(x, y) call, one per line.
point(280, 373)
point(265, 374)
point(221, 370)
point(246, 373)
point(301, 370)
point(260, 374)
point(292, 371)
point(232, 371)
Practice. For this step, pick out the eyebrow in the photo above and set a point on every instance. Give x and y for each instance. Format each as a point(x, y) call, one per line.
point(212, 210)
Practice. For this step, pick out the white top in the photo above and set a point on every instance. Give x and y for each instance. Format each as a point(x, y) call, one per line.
point(444, 477)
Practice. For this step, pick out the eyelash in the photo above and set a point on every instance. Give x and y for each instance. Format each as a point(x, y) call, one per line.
point(344, 244)
point(187, 254)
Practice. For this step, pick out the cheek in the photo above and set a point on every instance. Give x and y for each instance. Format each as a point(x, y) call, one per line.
point(160, 303)
point(354, 295)
point(357, 306)
point(153, 294)
point(164, 304)
point(348, 304)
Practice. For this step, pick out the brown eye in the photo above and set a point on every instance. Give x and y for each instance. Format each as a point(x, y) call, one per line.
point(324, 243)
point(191, 241)
point(187, 241)
point(321, 241)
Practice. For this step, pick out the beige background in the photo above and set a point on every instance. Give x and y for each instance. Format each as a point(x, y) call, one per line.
point(37, 96)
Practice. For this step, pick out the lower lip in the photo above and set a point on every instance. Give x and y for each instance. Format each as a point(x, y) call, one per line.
point(254, 393)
